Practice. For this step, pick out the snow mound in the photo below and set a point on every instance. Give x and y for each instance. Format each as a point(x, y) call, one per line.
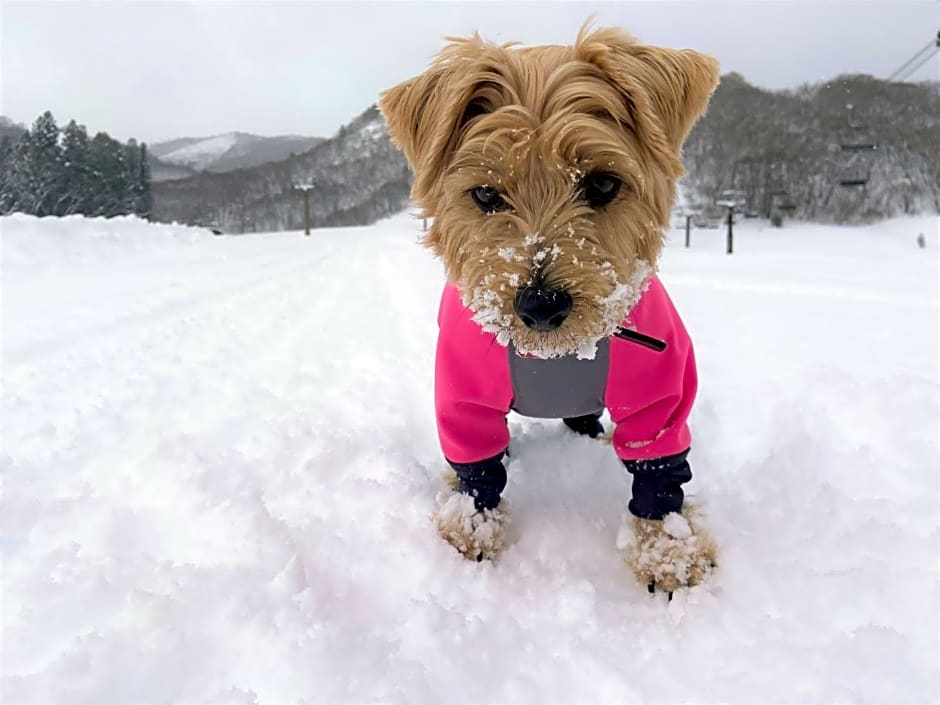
point(54, 242)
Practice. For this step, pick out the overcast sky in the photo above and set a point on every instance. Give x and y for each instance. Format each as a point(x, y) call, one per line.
point(155, 71)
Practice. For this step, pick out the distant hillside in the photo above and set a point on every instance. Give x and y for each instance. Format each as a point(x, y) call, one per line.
point(229, 151)
point(10, 129)
point(785, 148)
point(778, 148)
point(358, 178)
point(165, 171)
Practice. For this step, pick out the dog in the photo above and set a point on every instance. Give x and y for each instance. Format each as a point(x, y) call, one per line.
point(549, 173)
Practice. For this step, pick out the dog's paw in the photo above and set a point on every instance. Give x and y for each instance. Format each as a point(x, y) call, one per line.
point(668, 554)
point(476, 534)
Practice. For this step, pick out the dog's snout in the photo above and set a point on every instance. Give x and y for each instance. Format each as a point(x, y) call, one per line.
point(541, 308)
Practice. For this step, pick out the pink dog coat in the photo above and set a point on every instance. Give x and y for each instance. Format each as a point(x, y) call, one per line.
point(649, 394)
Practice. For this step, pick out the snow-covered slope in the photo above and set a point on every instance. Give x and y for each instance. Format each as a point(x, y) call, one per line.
point(231, 150)
point(219, 462)
point(200, 153)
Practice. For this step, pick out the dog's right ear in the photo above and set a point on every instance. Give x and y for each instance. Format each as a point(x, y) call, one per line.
point(417, 115)
point(403, 107)
point(425, 114)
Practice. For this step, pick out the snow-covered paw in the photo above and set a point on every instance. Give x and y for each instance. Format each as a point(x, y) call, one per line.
point(476, 534)
point(669, 554)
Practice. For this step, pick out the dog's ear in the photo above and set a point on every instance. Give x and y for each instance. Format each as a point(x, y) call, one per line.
point(667, 90)
point(404, 108)
point(424, 115)
point(680, 84)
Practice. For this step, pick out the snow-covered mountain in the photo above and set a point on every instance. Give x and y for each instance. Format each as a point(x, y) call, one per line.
point(358, 177)
point(231, 150)
point(220, 461)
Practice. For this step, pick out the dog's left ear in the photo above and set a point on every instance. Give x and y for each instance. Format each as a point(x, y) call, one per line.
point(666, 90)
point(679, 83)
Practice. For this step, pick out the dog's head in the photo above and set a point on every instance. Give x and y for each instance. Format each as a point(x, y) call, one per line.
point(549, 173)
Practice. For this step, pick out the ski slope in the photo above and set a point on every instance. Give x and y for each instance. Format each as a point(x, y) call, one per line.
point(219, 463)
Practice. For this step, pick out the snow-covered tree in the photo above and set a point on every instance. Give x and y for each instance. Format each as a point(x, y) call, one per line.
point(52, 172)
point(106, 159)
point(78, 177)
point(15, 189)
point(144, 205)
point(46, 172)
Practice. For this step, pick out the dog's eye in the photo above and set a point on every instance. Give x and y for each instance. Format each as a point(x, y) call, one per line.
point(599, 189)
point(488, 199)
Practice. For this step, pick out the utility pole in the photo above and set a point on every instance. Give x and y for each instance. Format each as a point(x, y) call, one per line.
point(730, 229)
point(688, 230)
point(730, 204)
point(305, 189)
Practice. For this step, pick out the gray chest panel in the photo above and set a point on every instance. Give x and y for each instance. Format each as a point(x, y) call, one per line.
point(562, 387)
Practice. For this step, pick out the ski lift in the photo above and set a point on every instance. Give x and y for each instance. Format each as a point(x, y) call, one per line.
point(857, 166)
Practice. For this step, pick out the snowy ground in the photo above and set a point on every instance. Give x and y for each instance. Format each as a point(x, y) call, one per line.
point(219, 462)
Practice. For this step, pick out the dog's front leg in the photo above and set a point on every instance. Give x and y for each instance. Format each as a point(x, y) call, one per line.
point(664, 539)
point(470, 519)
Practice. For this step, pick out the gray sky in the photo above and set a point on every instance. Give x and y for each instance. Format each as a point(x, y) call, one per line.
point(159, 70)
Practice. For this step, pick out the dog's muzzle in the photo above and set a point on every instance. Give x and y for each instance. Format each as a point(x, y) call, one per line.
point(542, 309)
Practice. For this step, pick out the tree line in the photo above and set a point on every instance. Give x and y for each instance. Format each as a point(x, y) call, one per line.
point(785, 149)
point(50, 171)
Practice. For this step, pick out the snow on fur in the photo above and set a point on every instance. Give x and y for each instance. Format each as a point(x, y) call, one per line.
point(220, 473)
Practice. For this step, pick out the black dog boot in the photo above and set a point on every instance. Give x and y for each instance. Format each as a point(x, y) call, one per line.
point(586, 425)
point(471, 519)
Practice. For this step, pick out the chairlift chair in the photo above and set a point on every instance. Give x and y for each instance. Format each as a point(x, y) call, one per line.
point(855, 172)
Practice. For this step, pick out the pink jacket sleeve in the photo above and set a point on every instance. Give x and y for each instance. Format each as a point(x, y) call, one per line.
point(649, 394)
point(472, 387)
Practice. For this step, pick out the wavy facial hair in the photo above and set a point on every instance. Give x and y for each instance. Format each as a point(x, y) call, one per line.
point(533, 124)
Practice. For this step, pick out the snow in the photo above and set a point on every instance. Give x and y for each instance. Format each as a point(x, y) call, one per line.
point(201, 153)
point(676, 526)
point(220, 466)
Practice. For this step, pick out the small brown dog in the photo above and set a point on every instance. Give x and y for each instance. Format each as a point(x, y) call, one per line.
point(550, 173)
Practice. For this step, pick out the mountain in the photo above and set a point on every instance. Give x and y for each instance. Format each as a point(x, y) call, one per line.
point(781, 149)
point(161, 170)
point(801, 149)
point(358, 177)
point(229, 151)
point(10, 129)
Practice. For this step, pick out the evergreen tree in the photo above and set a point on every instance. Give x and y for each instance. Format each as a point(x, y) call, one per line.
point(145, 200)
point(6, 147)
point(106, 159)
point(15, 193)
point(79, 184)
point(45, 166)
point(131, 177)
point(6, 158)
point(48, 173)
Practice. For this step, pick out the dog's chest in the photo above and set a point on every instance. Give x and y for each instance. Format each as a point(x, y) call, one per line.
point(562, 387)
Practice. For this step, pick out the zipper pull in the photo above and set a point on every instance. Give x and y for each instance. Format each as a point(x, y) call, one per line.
point(645, 340)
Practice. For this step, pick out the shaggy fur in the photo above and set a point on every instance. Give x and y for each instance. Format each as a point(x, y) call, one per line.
point(671, 553)
point(476, 534)
point(532, 123)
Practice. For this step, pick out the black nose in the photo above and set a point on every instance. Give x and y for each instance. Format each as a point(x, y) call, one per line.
point(542, 309)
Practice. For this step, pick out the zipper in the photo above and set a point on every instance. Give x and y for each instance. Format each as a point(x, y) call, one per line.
point(646, 341)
